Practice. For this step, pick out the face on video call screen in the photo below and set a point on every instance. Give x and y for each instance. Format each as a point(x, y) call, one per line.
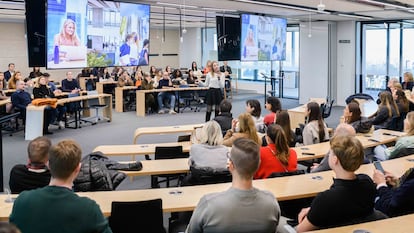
point(263, 38)
point(94, 33)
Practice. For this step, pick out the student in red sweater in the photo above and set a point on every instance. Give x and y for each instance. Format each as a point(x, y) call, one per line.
point(276, 156)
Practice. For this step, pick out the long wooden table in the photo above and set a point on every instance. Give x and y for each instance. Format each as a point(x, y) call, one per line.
point(186, 198)
point(165, 130)
point(140, 108)
point(176, 166)
point(119, 97)
point(35, 114)
point(402, 224)
point(137, 149)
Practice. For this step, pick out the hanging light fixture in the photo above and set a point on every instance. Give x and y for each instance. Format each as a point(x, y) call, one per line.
point(184, 29)
point(181, 29)
point(310, 26)
point(163, 25)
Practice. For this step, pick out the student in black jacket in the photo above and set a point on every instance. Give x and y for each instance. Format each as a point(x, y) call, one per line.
point(224, 117)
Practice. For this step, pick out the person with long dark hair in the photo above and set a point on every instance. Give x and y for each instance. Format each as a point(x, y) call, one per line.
point(387, 109)
point(276, 156)
point(352, 116)
point(273, 105)
point(315, 130)
point(283, 119)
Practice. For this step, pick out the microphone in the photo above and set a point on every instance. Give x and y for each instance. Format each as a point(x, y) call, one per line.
point(265, 76)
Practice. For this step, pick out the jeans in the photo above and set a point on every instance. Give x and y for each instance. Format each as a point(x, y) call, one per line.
point(169, 95)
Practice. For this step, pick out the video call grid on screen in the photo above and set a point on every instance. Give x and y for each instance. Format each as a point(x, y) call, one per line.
point(82, 33)
point(263, 38)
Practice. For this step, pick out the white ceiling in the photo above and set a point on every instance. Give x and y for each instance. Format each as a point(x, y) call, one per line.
point(194, 12)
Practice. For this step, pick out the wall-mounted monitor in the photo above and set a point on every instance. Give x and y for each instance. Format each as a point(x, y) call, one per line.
point(94, 33)
point(228, 38)
point(263, 38)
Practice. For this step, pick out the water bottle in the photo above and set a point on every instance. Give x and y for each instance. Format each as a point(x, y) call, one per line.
point(56, 55)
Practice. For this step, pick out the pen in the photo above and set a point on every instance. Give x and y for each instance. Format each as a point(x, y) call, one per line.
point(307, 153)
point(373, 140)
point(388, 134)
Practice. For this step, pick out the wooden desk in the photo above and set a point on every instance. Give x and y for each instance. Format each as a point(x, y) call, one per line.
point(161, 167)
point(140, 106)
point(175, 166)
point(283, 188)
point(402, 224)
point(9, 92)
point(137, 149)
point(165, 130)
point(34, 114)
point(5, 101)
point(297, 116)
point(100, 85)
point(119, 97)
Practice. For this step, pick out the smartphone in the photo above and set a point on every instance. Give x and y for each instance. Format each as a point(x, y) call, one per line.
point(379, 167)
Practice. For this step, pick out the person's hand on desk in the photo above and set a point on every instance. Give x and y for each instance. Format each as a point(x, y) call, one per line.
point(75, 91)
point(302, 214)
point(57, 92)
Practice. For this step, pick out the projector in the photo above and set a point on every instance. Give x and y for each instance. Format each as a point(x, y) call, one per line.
point(321, 7)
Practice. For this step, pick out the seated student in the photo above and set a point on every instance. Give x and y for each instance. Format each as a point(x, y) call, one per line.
point(408, 83)
point(387, 109)
point(20, 99)
point(402, 102)
point(254, 109)
point(247, 130)
point(350, 198)
point(13, 80)
point(224, 117)
point(352, 116)
point(283, 119)
point(274, 106)
point(64, 210)
point(165, 82)
point(384, 153)
point(35, 174)
point(126, 80)
point(41, 90)
point(209, 155)
point(315, 130)
point(394, 195)
point(148, 84)
point(69, 84)
point(342, 129)
point(242, 208)
point(276, 156)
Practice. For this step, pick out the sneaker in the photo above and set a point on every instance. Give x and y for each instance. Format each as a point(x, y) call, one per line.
point(61, 124)
point(172, 112)
point(160, 112)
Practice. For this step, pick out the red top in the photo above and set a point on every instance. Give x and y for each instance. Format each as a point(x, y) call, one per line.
point(270, 118)
point(269, 163)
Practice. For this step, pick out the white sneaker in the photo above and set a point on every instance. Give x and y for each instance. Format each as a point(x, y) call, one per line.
point(61, 124)
point(160, 112)
point(172, 112)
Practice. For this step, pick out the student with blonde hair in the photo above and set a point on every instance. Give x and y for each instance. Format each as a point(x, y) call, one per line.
point(247, 129)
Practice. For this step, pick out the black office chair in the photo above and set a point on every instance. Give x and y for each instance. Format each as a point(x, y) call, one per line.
point(327, 108)
point(141, 216)
point(168, 152)
point(291, 208)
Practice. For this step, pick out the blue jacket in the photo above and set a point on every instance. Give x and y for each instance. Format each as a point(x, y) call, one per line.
point(397, 201)
point(20, 99)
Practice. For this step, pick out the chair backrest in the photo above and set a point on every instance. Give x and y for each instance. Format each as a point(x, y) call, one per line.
point(327, 109)
point(169, 152)
point(141, 216)
point(207, 176)
point(281, 174)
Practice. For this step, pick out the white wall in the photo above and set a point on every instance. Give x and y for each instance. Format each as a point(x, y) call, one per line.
point(169, 46)
point(346, 61)
point(313, 61)
point(191, 48)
